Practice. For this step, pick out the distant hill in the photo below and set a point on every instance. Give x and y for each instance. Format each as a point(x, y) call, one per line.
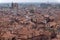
point(43, 5)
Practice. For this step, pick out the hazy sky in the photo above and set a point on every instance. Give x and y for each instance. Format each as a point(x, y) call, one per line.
point(7, 1)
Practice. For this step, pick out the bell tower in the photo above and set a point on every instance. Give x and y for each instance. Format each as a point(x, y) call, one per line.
point(15, 8)
point(14, 5)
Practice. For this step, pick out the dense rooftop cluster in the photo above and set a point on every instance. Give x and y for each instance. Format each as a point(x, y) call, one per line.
point(29, 23)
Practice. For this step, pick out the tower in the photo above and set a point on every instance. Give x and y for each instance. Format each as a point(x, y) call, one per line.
point(15, 8)
point(15, 5)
